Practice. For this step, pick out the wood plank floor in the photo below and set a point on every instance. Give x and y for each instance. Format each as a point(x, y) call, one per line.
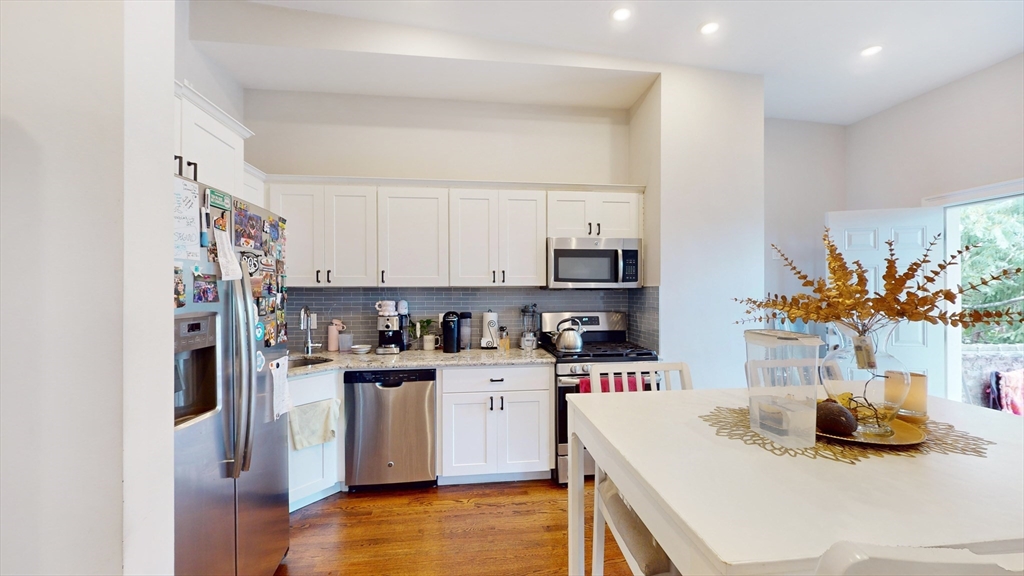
point(504, 528)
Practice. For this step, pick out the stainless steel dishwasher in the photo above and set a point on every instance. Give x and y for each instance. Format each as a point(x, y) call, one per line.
point(390, 433)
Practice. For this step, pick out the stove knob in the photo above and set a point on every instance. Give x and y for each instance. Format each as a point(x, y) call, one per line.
point(586, 368)
point(574, 369)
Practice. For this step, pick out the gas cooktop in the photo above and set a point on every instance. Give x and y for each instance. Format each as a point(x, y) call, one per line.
point(604, 352)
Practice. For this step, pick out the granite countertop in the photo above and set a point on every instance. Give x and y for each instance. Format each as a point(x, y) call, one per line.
point(420, 359)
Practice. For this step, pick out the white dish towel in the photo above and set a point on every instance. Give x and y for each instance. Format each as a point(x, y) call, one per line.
point(314, 423)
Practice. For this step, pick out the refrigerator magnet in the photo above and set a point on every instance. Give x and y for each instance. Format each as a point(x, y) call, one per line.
point(179, 286)
point(260, 330)
point(204, 289)
point(261, 361)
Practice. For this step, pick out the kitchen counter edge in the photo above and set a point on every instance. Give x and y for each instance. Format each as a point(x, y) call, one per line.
point(420, 359)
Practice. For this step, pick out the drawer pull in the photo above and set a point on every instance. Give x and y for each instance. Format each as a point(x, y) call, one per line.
point(497, 379)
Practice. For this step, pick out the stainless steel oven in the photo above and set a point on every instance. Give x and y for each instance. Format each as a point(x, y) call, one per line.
point(594, 263)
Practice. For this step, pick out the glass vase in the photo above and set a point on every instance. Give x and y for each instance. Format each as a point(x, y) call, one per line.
point(865, 378)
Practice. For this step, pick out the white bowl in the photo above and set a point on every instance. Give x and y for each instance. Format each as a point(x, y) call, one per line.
point(361, 349)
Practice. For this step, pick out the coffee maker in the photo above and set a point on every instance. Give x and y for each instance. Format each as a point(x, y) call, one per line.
point(450, 332)
point(390, 333)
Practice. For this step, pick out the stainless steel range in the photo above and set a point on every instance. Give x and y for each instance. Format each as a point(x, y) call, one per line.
point(604, 340)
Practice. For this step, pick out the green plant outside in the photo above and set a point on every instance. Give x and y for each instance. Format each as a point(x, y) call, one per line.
point(998, 227)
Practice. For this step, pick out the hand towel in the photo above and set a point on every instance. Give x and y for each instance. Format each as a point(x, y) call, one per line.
point(1011, 391)
point(314, 423)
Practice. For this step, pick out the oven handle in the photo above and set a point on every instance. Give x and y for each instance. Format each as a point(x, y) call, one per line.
point(568, 382)
point(621, 267)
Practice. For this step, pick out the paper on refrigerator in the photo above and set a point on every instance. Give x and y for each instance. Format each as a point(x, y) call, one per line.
point(282, 396)
point(226, 257)
point(186, 220)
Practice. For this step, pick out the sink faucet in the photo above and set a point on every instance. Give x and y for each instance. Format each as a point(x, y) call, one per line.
point(306, 323)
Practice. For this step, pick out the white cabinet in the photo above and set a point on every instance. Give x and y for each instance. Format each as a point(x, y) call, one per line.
point(497, 237)
point(412, 236)
point(216, 150)
point(253, 186)
point(317, 470)
point(496, 420)
point(332, 233)
point(595, 214)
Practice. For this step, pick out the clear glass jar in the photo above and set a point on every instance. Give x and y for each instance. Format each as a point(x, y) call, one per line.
point(504, 342)
point(864, 377)
point(465, 330)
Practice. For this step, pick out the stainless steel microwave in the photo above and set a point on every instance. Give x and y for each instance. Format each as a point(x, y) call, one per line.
point(594, 263)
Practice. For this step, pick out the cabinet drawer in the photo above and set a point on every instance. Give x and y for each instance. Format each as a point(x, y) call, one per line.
point(313, 388)
point(497, 379)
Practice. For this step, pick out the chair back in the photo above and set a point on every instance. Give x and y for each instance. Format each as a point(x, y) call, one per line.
point(855, 558)
point(659, 376)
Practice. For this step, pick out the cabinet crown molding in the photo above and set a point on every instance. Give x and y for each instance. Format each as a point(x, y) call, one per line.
point(457, 184)
point(254, 171)
point(189, 93)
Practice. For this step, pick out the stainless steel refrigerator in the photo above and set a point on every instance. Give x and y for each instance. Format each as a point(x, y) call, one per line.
point(230, 452)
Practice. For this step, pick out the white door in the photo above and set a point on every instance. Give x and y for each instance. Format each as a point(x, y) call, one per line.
point(524, 422)
point(216, 149)
point(468, 434)
point(862, 235)
point(567, 215)
point(350, 236)
point(615, 214)
point(302, 206)
point(521, 238)
point(412, 236)
point(473, 227)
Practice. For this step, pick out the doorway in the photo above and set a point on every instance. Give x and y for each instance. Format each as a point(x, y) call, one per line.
point(997, 227)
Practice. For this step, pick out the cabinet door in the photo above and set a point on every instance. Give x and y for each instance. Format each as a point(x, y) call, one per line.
point(567, 215)
point(218, 150)
point(521, 238)
point(350, 242)
point(253, 190)
point(524, 431)
point(468, 434)
point(615, 214)
point(315, 468)
point(473, 236)
point(302, 205)
point(412, 236)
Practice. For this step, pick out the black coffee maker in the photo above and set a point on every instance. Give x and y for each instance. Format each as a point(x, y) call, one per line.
point(450, 332)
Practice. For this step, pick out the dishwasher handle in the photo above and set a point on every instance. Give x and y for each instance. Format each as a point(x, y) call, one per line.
point(389, 384)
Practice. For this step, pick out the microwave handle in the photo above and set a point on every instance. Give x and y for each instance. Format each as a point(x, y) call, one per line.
point(621, 266)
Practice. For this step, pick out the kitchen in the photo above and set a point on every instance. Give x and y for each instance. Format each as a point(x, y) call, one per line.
point(275, 102)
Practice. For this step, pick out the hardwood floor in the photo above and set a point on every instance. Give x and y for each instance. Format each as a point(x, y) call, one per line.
point(506, 528)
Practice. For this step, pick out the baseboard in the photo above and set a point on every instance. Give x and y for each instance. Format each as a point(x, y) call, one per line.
point(307, 500)
point(484, 478)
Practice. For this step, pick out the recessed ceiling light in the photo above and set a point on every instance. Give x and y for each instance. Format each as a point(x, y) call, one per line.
point(871, 51)
point(709, 28)
point(621, 14)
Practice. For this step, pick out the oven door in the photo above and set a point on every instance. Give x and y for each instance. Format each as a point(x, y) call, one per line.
point(563, 386)
point(594, 263)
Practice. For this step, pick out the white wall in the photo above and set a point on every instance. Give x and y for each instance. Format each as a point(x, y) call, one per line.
point(351, 135)
point(75, 495)
point(712, 218)
point(645, 168)
point(804, 177)
point(963, 135)
point(205, 75)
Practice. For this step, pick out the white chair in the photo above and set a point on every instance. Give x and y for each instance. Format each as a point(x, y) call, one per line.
point(643, 553)
point(855, 558)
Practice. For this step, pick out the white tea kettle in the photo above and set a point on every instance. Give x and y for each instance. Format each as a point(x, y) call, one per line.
point(568, 339)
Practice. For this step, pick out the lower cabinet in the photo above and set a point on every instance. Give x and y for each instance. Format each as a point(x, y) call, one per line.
point(316, 471)
point(491, 425)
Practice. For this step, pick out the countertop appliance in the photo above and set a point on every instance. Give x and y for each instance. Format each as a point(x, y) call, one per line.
point(595, 263)
point(450, 332)
point(604, 341)
point(390, 427)
point(230, 453)
point(390, 332)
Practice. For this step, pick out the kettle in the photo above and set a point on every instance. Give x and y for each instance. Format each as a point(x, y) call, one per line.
point(568, 339)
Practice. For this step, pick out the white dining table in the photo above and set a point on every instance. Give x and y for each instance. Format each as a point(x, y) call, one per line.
point(720, 506)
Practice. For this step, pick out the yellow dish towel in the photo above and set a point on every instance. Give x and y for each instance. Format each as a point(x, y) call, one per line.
point(314, 423)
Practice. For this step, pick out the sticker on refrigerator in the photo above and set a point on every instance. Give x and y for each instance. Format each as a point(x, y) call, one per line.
point(270, 337)
point(251, 261)
point(261, 305)
point(186, 220)
point(267, 264)
point(269, 283)
point(204, 288)
point(218, 199)
point(261, 361)
point(221, 222)
point(248, 227)
point(179, 286)
point(256, 285)
point(259, 330)
point(274, 230)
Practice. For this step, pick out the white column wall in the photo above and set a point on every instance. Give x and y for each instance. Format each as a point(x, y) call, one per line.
point(645, 168)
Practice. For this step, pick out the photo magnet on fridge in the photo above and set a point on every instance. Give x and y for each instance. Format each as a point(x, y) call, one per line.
point(204, 288)
point(270, 336)
point(248, 227)
point(179, 286)
point(261, 304)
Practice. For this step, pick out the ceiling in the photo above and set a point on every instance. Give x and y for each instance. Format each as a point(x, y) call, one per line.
point(808, 52)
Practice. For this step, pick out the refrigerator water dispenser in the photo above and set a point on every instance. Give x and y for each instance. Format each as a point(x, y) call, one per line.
point(195, 366)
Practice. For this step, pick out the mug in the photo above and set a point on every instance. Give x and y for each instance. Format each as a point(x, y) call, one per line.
point(385, 307)
point(402, 307)
point(431, 341)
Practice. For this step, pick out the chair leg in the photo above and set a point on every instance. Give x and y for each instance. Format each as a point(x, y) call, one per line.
point(597, 563)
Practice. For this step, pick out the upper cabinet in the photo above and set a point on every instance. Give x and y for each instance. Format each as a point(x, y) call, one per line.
point(594, 214)
point(332, 233)
point(254, 188)
point(212, 144)
point(497, 237)
point(412, 233)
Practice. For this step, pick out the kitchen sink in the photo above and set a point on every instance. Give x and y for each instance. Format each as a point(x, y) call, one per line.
point(306, 361)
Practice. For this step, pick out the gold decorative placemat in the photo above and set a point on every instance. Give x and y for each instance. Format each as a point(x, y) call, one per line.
point(942, 438)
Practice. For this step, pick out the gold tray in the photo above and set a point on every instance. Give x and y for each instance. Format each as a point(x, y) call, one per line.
point(904, 434)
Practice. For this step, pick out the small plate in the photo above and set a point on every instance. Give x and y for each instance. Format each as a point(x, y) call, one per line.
point(904, 434)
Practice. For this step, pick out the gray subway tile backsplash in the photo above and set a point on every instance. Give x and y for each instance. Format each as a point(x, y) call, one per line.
point(355, 307)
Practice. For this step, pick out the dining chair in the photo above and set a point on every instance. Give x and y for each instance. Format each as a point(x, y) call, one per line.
point(856, 558)
point(643, 553)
